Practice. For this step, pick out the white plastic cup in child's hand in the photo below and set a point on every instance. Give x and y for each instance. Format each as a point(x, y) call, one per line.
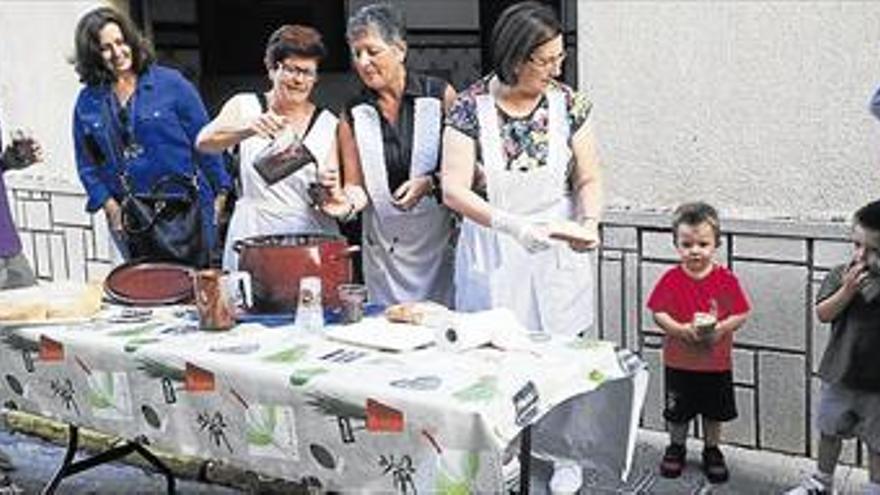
point(705, 324)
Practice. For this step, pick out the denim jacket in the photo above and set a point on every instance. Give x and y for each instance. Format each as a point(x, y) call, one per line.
point(165, 114)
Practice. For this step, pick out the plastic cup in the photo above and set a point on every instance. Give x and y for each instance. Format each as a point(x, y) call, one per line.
point(351, 299)
point(705, 324)
point(309, 310)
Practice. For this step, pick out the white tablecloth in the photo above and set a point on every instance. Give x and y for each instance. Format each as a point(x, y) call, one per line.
point(298, 406)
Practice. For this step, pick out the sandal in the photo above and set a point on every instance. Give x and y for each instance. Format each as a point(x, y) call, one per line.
point(714, 466)
point(673, 461)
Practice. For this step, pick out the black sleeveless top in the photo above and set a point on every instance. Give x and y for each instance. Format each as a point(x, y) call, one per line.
point(397, 139)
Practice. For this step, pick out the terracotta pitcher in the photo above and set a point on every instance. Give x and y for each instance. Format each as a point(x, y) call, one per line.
point(218, 297)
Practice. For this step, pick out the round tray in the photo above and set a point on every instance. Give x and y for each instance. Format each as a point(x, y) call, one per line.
point(150, 283)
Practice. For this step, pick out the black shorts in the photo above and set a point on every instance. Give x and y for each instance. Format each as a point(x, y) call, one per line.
point(689, 393)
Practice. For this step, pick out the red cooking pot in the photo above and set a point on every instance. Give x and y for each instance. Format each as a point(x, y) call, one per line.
point(278, 262)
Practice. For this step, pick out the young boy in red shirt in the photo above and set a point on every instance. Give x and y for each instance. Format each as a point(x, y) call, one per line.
point(698, 305)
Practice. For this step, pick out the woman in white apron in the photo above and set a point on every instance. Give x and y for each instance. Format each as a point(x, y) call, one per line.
point(278, 202)
point(389, 139)
point(525, 140)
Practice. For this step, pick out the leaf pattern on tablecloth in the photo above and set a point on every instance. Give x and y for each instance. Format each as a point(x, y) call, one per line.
point(136, 330)
point(458, 480)
point(18, 342)
point(301, 377)
point(596, 376)
point(158, 369)
point(288, 356)
point(485, 389)
point(135, 344)
point(102, 392)
point(332, 406)
point(261, 426)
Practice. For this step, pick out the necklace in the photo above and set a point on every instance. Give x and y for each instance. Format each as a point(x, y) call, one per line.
point(126, 114)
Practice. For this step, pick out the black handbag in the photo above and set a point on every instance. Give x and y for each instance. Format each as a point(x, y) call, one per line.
point(166, 223)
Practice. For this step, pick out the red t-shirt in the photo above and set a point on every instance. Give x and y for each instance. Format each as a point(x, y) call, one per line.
point(680, 296)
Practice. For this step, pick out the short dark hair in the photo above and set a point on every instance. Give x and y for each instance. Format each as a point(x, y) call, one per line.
point(384, 18)
point(696, 213)
point(520, 29)
point(89, 63)
point(294, 40)
point(868, 216)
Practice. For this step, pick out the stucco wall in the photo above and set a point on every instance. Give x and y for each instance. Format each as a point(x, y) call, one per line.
point(38, 85)
point(759, 107)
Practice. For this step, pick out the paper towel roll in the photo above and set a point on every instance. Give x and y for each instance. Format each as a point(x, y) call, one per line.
point(456, 338)
point(464, 331)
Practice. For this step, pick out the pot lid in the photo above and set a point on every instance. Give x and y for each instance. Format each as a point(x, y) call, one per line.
point(150, 283)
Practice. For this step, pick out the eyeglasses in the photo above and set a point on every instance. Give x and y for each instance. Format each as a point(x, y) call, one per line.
point(293, 71)
point(547, 62)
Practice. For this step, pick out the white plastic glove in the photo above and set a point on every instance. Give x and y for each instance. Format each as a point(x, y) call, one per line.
point(530, 235)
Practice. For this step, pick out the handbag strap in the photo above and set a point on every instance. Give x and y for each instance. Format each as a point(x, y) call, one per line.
point(264, 103)
point(115, 140)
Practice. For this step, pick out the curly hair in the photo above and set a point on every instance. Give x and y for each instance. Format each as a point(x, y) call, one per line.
point(294, 40)
point(89, 63)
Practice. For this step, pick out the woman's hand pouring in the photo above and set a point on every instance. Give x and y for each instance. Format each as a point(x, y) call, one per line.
point(267, 125)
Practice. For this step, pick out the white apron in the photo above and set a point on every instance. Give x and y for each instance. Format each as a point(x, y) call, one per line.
point(283, 207)
point(551, 290)
point(407, 255)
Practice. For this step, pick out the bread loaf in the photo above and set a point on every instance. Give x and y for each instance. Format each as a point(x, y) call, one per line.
point(412, 312)
point(55, 301)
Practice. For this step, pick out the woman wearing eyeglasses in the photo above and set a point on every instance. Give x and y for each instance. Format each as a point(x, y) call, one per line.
point(276, 198)
point(525, 140)
point(136, 121)
point(389, 139)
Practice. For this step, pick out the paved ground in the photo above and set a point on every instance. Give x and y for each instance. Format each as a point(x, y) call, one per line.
point(752, 473)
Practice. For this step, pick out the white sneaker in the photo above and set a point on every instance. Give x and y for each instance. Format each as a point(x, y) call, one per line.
point(567, 478)
point(510, 472)
point(811, 485)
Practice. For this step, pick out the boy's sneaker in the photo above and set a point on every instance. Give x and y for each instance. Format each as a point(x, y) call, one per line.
point(812, 485)
point(567, 478)
point(714, 466)
point(673, 461)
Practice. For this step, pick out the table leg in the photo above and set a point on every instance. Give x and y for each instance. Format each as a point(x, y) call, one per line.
point(525, 459)
point(72, 443)
point(70, 468)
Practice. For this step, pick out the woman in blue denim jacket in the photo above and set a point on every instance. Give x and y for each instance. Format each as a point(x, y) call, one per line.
point(137, 117)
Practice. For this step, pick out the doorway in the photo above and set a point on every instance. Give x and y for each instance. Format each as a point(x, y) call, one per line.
point(219, 43)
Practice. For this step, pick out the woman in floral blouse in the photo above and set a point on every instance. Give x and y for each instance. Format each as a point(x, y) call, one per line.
point(520, 165)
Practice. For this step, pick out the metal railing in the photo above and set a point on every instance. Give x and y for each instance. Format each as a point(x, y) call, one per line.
point(630, 242)
point(61, 244)
point(633, 245)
